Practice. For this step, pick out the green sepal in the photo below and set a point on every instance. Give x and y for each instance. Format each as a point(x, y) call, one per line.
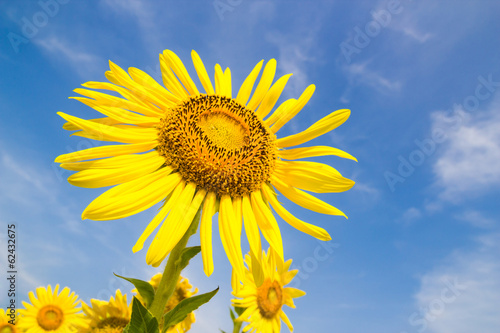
point(231, 313)
point(185, 307)
point(239, 310)
point(145, 289)
point(142, 320)
point(187, 254)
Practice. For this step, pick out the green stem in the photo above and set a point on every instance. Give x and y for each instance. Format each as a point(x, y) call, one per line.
point(237, 326)
point(172, 272)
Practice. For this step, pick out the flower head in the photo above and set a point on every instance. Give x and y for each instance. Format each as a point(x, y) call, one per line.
point(215, 150)
point(51, 311)
point(182, 291)
point(7, 323)
point(262, 293)
point(109, 316)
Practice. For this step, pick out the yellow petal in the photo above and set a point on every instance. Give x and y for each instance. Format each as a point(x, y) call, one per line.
point(159, 217)
point(153, 87)
point(308, 228)
point(305, 199)
point(230, 238)
point(322, 126)
point(267, 223)
point(285, 319)
point(106, 151)
point(206, 233)
point(247, 86)
point(170, 81)
point(114, 101)
point(101, 177)
point(312, 176)
point(265, 82)
point(110, 133)
point(176, 224)
point(202, 73)
point(251, 227)
point(112, 162)
point(220, 88)
point(294, 109)
point(178, 67)
point(305, 152)
point(106, 121)
point(280, 111)
point(120, 115)
point(132, 197)
point(272, 97)
point(227, 83)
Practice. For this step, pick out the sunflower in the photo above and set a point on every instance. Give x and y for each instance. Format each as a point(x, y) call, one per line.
point(182, 291)
point(107, 316)
point(214, 151)
point(51, 311)
point(5, 323)
point(263, 293)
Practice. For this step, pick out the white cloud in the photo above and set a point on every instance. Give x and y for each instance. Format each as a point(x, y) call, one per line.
point(358, 74)
point(468, 165)
point(83, 63)
point(293, 58)
point(410, 215)
point(462, 295)
point(476, 219)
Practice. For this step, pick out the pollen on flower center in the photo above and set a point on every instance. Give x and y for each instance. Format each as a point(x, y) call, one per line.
point(113, 322)
point(224, 129)
point(217, 143)
point(50, 317)
point(7, 328)
point(269, 298)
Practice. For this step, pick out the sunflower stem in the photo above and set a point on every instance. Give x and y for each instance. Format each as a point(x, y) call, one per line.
point(237, 326)
point(172, 272)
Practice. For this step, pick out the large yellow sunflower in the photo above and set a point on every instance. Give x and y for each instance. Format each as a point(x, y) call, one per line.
point(215, 151)
point(183, 290)
point(5, 323)
point(104, 316)
point(51, 311)
point(263, 293)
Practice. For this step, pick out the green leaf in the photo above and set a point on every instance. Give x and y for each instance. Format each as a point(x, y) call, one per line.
point(145, 289)
point(142, 320)
point(185, 307)
point(187, 254)
point(239, 310)
point(231, 313)
point(222, 331)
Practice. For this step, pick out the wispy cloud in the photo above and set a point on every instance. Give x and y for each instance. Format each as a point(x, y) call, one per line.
point(476, 218)
point(468, 165)
point(462, 295)
point(410, 215)
point(359, 74)
point(82, 62)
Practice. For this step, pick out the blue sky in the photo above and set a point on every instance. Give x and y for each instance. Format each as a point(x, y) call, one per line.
point(420, 251)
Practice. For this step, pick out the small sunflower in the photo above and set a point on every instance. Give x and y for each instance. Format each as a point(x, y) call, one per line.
point(51, 311)
point(5, 325)
point(263, 294)
point(109, 316)
point(214, 151)
point(183, 290)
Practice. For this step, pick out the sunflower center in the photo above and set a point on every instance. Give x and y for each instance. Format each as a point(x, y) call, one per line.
point(7, 328)
point(269, 298)
point(218, 144)
point(113, 322)
point(50, 317)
